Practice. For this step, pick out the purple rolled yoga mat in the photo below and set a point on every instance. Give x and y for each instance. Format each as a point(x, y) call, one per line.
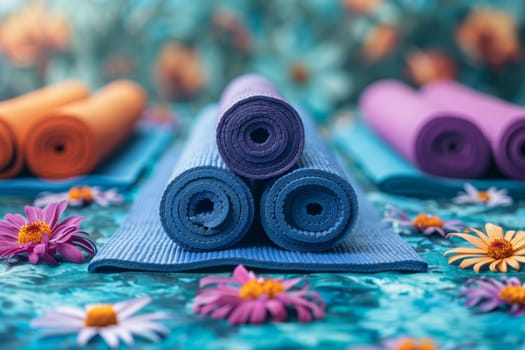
point(259, 134)
point(439, 141)
point(502, 123)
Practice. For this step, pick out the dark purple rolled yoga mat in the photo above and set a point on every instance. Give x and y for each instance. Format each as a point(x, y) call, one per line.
point(259, 134)
point(439, 141)
point(502, 123)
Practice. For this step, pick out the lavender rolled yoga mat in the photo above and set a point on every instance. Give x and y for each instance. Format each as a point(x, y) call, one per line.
point(502, 123)
point(259, 134)
point(439, 141)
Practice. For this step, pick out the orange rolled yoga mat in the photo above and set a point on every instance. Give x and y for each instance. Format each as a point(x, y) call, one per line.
point(73, 140)
point(18, 114)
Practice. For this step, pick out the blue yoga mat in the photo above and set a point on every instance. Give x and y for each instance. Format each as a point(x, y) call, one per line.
point(205, 205)
point(120, 171)
point(393, 174)
point(313, 207)
point(140, 243)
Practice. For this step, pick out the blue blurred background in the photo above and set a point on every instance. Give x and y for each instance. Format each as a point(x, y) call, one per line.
point(320, 53)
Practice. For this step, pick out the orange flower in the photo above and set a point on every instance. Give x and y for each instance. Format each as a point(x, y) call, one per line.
point(426, 66)
point(178, 71)
point(492, 248)
point(227, 23)
point(380, 42)
point(362, 7)
point(31, 35)
point(490, 36)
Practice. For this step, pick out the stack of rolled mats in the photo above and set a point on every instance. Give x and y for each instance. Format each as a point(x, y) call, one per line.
point(254, 184)
point(62, 131)
point(430, 142)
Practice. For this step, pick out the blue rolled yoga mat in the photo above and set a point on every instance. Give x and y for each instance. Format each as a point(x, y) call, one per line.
point(205, 206)
point(313, 207)
point(140, 243)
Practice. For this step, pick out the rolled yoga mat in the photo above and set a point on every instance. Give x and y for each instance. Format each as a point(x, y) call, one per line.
point(259, 134)
point(140, 243)
point(313, 207)
point(205, 206)
point(73, 140)
point(18, 114)
point(394, 174)
point(439, 141)
point(502, 123)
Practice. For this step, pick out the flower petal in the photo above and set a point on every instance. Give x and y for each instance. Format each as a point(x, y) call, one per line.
point(480, 243)
point(85, 335)
point(70, 253)
point(128, 308)
point(110, 336)
point(241, 275)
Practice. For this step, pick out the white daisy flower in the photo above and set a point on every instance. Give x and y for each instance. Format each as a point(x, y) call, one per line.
point(81, 196)
point(113, 322)
point(491, 197)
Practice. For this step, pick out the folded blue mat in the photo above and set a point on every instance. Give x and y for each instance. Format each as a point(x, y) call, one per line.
point(120, 171)
point(393, 174)
point(140, 243)
point(313, 207)
point(205, 205)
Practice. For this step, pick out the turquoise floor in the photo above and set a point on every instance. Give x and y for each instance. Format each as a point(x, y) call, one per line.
point(361, 309)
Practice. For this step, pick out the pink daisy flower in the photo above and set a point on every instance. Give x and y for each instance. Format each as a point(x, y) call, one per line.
point(423, 223)
point(488, 294)
point(113, 322)
point(41, 236)
point(246, 298)
point(81, 196)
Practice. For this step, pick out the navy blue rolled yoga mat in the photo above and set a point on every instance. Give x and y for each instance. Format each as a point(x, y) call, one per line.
point(205, 206)
point(313, 207)
point(259, 134)
point(140, 243)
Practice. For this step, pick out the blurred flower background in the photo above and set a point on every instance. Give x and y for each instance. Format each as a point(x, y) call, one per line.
point(321, 53)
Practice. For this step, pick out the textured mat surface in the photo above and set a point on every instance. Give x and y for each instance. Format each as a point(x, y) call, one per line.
point(120, 171)
point(393, 174)
point(205, 206)
point(140, 243)
point(259, 134)
point(313, 207)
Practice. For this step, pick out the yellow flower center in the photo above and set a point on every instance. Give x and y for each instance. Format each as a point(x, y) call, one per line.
point(254, 288)
point(82, 193)
point(483, 196)
point(32, 233)
point(500, 249)
point(426, 221)
point(100, 316)
point(299, 73)
point(513, 295)
point(412, 344)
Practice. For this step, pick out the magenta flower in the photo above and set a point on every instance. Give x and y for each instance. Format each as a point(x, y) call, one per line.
point(423, 223)
point(246, 298)
point(41, 236)
point(488, 294)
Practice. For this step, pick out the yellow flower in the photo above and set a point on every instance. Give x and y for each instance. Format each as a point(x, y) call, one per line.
point(492, 248)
